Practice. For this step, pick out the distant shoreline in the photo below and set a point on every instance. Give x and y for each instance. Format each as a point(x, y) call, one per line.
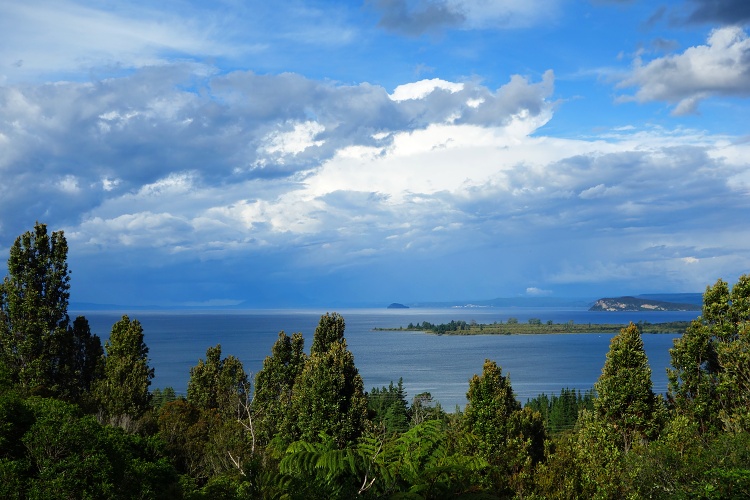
point(463, 328)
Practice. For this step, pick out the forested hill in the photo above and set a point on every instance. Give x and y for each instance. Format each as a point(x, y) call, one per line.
point(641, 304)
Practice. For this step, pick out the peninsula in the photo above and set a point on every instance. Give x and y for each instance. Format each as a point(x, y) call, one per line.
point(535, 326)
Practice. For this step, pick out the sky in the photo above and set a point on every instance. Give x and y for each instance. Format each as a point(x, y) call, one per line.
point(290, 154)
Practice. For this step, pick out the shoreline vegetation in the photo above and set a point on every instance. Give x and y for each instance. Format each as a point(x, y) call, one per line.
point(534, 326)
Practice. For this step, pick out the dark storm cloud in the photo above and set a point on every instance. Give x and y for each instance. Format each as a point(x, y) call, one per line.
point(725, 12)
point(416, 17)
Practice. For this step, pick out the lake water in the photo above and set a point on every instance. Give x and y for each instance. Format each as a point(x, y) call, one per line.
point(441, 365)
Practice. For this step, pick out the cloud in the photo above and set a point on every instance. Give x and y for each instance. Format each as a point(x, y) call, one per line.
point(176, 170)
point(537, 292)
point(718, 68)
point(66, 36)
point(417, 17)
point(728, 12)
point(423, 88)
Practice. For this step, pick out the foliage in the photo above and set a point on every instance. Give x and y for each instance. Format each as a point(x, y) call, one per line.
point(625, 401)
point(272, 400)
point(123, 393)
point(388, 407)
point(330, 331)
point(560, 413)
point(328, 397)
point(33, 309)
point(536, 326)
point(509, 438)
point(83, 365)
point(424, 407)
point(55, 451)
point(219, 384)
point(419, 463)
point(710, 379)
point(160, 397)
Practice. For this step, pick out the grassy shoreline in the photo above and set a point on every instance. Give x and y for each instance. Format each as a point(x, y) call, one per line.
point(463, 328)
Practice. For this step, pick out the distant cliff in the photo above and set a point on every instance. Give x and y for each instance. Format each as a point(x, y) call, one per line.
point(638, 304)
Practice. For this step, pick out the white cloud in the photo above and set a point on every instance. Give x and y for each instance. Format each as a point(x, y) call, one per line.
point(44, 36)
point(422, 88)
point(537, 292)
point(295, 141)
point(718, 68)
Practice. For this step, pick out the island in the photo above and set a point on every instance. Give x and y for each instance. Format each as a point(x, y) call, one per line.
point(638, 304)
point(396, 305)
point(536, 326)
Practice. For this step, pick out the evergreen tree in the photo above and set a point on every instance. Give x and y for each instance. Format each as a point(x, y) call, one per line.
point(123, 392)
point(33, 309)
point(625, 400)
point(388, 407)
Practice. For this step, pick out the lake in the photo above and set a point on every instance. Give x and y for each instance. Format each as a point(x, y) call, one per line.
point(441, 365)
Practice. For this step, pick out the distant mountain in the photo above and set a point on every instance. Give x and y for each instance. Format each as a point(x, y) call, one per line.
point(640, 304)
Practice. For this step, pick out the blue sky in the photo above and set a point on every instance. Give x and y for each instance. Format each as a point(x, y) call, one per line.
point(344, 153)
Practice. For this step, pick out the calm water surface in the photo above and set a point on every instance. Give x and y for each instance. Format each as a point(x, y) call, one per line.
point(441, 365)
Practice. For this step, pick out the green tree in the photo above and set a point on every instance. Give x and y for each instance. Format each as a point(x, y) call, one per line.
point(694, 376)
point(219, 384)
point(424, 407)
point(491, 403)
point(123, 392)
point(272, 401)
point(328, 396)
point(219, 389)
point(330, 330)
point(81, 363)
point(388, 407)
point(33, 309)
point(55, 451)
point(510, 439)
point(710, 378)
point(625, 399)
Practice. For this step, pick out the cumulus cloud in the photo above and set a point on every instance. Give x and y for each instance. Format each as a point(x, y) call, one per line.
point(718, 68)
point(177, 166)
point(181, 136)
point(417, 17)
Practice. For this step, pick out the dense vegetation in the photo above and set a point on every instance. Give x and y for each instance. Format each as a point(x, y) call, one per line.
point(79, 420)
point(536, 326)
